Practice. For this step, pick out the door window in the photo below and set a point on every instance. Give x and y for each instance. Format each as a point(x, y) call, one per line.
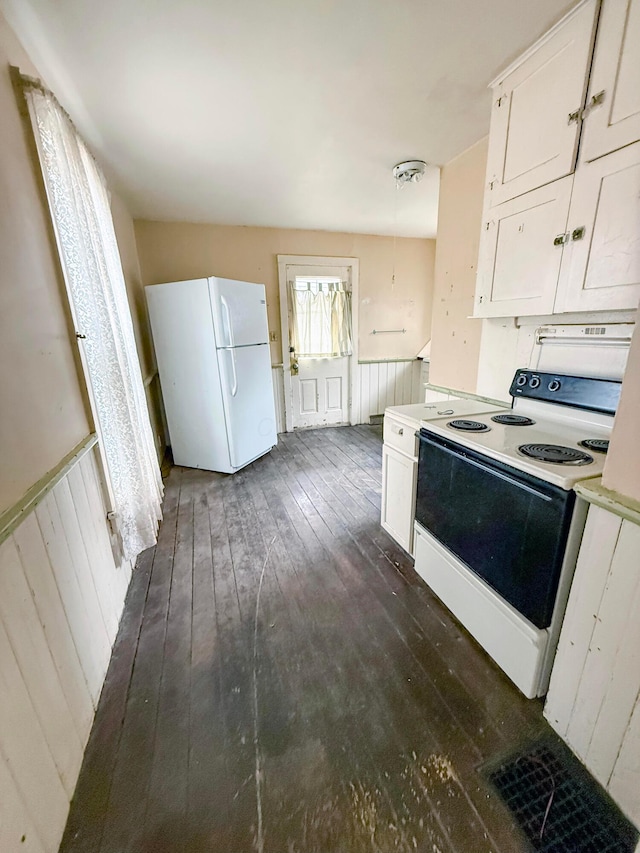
point(321, 317)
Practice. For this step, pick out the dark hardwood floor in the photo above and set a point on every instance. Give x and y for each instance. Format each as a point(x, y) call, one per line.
point(282, 680)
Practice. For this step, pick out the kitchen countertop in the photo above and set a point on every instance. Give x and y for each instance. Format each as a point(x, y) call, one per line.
point(411, 414)
point(595, 493)
point(414, 413)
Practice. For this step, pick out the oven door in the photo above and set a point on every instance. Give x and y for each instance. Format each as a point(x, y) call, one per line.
point(508, 527)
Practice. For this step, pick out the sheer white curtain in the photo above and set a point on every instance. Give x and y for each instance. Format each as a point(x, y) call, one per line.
point(321, 315)
point(81, 215)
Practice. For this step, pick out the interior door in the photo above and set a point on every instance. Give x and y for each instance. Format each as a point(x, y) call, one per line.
point(320, 387)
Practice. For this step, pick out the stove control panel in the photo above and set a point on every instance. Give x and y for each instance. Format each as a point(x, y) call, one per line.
point(580, 392)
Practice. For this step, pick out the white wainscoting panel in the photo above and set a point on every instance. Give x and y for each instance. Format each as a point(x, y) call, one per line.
point(594, 695)
point(61, 597)
point(388, 383)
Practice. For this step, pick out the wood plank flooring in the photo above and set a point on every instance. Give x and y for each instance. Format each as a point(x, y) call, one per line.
point(283, 682)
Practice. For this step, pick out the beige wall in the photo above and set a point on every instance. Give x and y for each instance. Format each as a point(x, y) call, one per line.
point(622, 466)
point(455, 340)
point(125, 235)
point(42, 409)
point(172, 251)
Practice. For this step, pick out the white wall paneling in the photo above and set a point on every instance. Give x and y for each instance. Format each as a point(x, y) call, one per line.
point(594, 696)
point(388, 383)
point(61, 597)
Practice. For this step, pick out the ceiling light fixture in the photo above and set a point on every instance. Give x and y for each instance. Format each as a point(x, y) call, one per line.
point(409, 172)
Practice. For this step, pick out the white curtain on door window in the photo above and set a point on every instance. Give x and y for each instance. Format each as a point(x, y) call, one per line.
point(81, 215)
point(321, 318)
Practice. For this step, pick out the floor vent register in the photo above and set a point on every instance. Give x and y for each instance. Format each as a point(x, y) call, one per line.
point(558, 806)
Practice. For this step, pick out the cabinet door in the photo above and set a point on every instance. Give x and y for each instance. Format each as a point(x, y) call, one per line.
point(532, 141)
point(520, 253)
point(399, 478)
point(612, 115)
point(601, 263)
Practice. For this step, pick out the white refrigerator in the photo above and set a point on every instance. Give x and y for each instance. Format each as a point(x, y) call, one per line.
point(211, 340)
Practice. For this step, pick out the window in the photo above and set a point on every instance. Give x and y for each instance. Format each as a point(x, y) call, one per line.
point(321, 317)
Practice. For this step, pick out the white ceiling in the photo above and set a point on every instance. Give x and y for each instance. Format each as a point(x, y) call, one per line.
point(287, 113)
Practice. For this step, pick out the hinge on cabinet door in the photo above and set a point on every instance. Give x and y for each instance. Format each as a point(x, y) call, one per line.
point(112, 520)
point(560, 239)
point(487, 226)
point(501, 99)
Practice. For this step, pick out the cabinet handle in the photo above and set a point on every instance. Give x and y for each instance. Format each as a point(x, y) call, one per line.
point(578, 233)
point(400, 430)
point(574, 116)
point(594, 101)
point(560, 239)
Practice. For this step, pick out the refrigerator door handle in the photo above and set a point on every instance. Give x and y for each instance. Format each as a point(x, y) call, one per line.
point(234, 387)
point(225, 305)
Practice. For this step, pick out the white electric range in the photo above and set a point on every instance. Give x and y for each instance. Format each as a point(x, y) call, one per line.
point(498, 526)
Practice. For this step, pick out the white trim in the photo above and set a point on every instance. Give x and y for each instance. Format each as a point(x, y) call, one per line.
point(13, 517)
point(497, 80)
point(319, 261)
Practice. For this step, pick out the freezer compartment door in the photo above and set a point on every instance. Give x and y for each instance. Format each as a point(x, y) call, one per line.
point(239, 312)
point(247, 390)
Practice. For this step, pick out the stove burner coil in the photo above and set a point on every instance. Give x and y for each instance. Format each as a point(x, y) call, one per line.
point(468, 426)
point(512, 420)
point(555, 453)
point(600, 445)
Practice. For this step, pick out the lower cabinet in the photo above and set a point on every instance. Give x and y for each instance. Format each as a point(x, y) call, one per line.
point(399, 481)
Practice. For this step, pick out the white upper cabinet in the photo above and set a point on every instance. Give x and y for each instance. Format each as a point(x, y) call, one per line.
point(612, 115)
point(601, 258)
point(559, 237)
point(537, 104)
point(521, 246)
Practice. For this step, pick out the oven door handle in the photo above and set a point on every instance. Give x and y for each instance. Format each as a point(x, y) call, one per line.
point(494, 471)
